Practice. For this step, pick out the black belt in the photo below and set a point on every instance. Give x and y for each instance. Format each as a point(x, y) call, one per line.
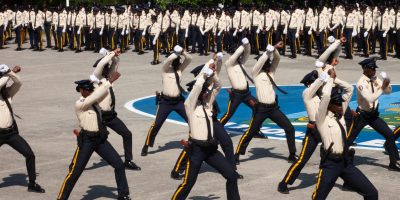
point(203, 143)
point(264, 105)
point(168, 98)
point(240, 91)
point(90, 134)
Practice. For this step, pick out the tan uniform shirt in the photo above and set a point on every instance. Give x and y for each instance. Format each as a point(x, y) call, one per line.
point(242, 20)
point(142, 22)
point(235, 73)
point(105, 103)
point(195, 112)
point(264, 88)
point(84, 108)
point(266, 21)
point(254, 17)
point(39, 20)
point(366, 99)
point(154, 29)
point(311, 100)
point(55, 19)
point(98, 21)
point(184, 21)
point(327, 125)
point(174, 19)
point(80, 20)
point(63, 20)
point(19, 19)
point(6, 119)
point(48, 17)
point(170, 88)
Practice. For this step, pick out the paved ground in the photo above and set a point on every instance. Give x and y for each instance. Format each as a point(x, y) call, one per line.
point(46, 101)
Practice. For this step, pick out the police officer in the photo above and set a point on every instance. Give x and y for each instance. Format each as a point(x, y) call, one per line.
point(200, 27)
point(365, 29)
point(18, 28)
point(140, 32)
point(267, 106)
point(54, 27)
point(255, 28)
point(32, 16)
point(292, 28)
point(307, 32)
point(9, 133)
point(109, 115)
point(80, 22)
point(206, 33)
point(335, 162)
point(154, 33)
point(61, 29)
point(314, 82)
point(350, 28)
point(171, 98)
point(47, 25)
point(219, 30)
point(88, 29)
point(369, 89)
point(38, 25)
point(320, 25)
point(383, 30)
point(98, 29)
point(164, 23)
point(93, 138)
point(183, 29)
point(203, 145)
point(220, 133)
point(238, 76)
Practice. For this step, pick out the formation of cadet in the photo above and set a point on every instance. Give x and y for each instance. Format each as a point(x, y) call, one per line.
point(178, 32)
point(302, 29)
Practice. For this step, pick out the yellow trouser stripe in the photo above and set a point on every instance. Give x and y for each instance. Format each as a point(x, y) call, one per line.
point(70, 173)
point(227, 112)
point(157, 46)
point(245, 135)
point(318, 182)
point(351, 129)
point(300, 159)
point(396, 130)
point(152, 126)
point(180, 160)
point(184, 181)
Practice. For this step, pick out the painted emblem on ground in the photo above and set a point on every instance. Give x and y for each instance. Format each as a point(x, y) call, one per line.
point(292, 105)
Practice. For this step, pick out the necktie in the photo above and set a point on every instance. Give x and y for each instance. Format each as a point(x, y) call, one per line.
point(290, 20)
point(280, 18)
point(162, 20)
point(274, 84)
point(204, 24)
point(381, 21)
point(218, 25)
point(45, 16)
point(244, 72)
point(209, 136)
point(177, 79)
point(118, 21)
point(240, 20)
point(98, 116)
point(180, 22)
point(86, 21)
point(252, 19)
point(112, 98)
point(95, 21)
point(34, 24)
point(318, 23)
point(363, 21)
point(139, 23)
point(343, 132)
point(373, 91)
point(58, 20)
point(265, 20)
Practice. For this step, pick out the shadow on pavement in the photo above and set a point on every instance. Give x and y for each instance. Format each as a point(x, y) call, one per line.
point(168, 146)
point(100, 191)
point(14, 180)
point(211, 196)
point(257, 153)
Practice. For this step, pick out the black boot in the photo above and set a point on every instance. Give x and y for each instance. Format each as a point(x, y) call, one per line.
point(131, 165)
point(144, 150)
point(282, 188)
point(177, 176)
point(34, 187)
point(292, 158)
